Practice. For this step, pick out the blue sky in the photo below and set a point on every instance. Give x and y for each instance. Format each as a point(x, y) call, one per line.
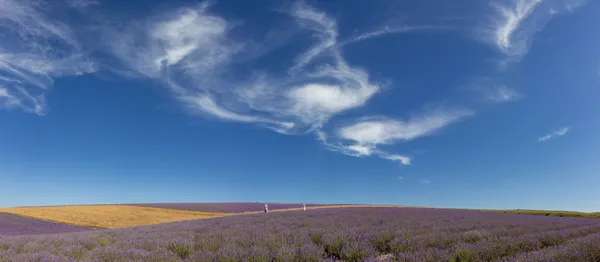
point(477, 104)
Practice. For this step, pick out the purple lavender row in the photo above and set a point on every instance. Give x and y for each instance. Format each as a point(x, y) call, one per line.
point(499, 247)
point(480, 244)
point(477, 245)
point(581, 249)
point(11, 225)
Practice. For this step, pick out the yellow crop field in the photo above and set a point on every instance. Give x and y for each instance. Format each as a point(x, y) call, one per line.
point(108, 216)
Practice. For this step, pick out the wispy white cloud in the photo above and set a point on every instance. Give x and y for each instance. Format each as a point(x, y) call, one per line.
point(515, 22)
point(511, 17)
point(82, 4)
point(186, 51)
point(189, 50)
point(357, 150)
point(34, 50)
point(571, 5)
point(400, 178)
point(314, 102)
point(425, 181)
point(364, 136)
point(323, 26)
point(188, 40)
point(387, 131)
point(207, 104)
point(493, 91)
point(501, 94)
point(7, 100)
point(390, 30)
point(405, 160)
point(560, 132)
point(193, 52)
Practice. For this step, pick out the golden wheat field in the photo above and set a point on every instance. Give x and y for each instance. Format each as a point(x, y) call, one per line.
point(108, 216)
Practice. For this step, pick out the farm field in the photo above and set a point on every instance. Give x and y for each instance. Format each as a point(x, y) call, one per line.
point(107, 216)
point(228, 207)
point(235, 207)
point(328, 234)
point(551, 213)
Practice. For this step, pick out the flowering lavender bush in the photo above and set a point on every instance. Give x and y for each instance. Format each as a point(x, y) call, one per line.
point(348, 234)
point(11, 225)
point(231, 207)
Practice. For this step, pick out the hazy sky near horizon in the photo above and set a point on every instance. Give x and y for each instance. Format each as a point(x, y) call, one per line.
point(478, 104)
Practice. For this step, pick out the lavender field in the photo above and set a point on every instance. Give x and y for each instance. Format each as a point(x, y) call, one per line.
point(349, 234)
point(228, 207)
point(13, 225)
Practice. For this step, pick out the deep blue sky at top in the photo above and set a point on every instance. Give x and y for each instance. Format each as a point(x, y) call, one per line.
point(479, 104)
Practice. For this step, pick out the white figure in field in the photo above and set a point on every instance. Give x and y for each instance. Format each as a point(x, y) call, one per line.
point(304, 206)
point(266, 208)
